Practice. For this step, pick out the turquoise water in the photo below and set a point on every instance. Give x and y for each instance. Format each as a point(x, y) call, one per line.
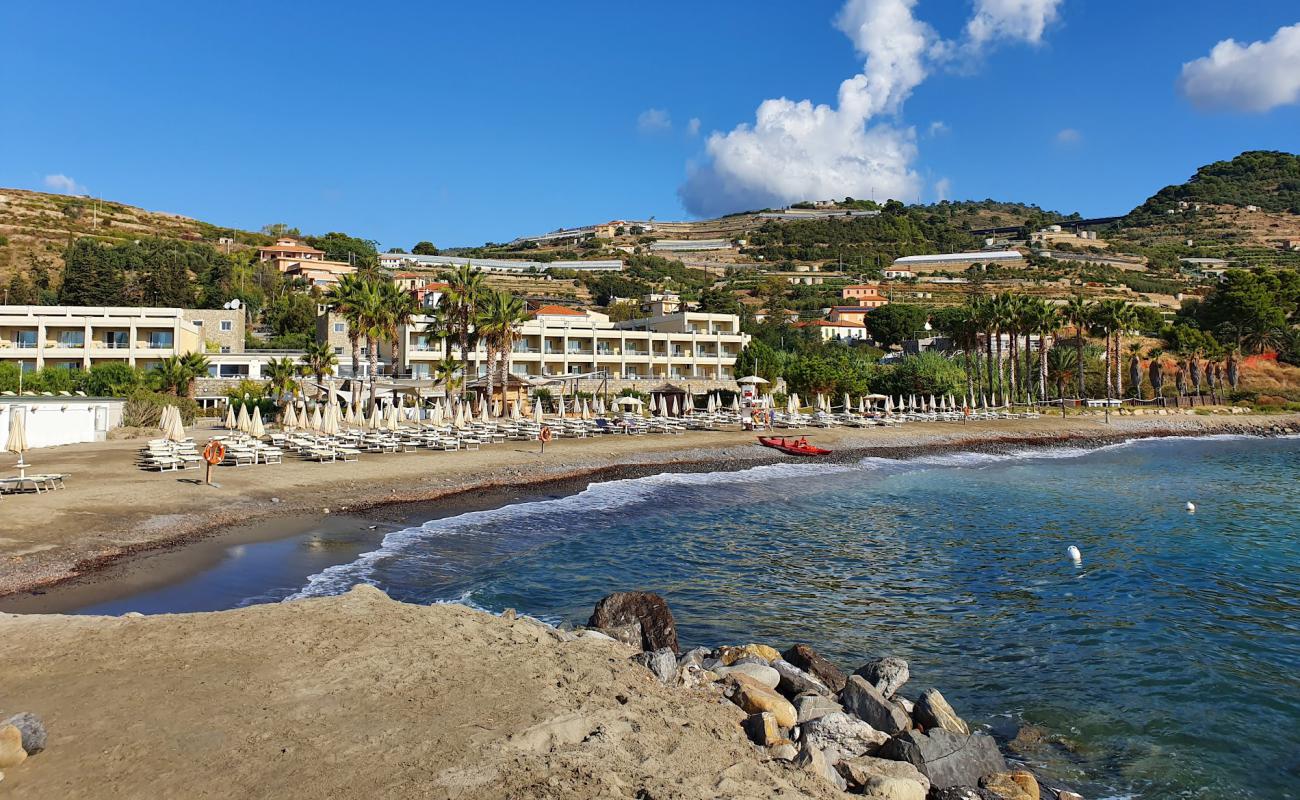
point(1166, 666)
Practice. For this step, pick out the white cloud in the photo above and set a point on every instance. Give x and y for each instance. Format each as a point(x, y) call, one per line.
point(693, 127)
point(1252, 77)
point(1068, 137)
point(62, 184)
point(654, 120)
point(1021, 20)
point(942, 189)
point(938, 128)
point(798, 150)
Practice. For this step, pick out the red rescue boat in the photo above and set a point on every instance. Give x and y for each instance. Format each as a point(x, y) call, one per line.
point(795, 447)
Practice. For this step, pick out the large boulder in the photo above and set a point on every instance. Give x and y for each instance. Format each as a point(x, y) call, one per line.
point(32, 730)
point(882, 788)
point(658, 629)
point(662, 662)
point(762, 729)
point(730, 655)
point(887, 674)
point(814, 706)
point(932, 711)
point(795, 681)
point(813, 760)
point(961, 793)
point(865, 700)
point(759, 672)
point(812, 662)
point(629, 634)
point(11, 747)
point(842, 736)
point(862, 770)
point(1018, 784)
point(948, 759)
point(755, 698)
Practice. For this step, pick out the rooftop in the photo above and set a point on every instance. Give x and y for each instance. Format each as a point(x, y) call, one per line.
point(989, 255)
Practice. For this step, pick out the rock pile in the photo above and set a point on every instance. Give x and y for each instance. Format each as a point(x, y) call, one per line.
point(856, 732)
point(21, 735)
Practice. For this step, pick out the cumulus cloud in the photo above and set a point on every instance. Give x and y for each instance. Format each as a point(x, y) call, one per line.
point(62, 184)
point(1254, 77)
point(1068, 136)
point(799, 150)
point(654, 120)
point(693, 127)
point(942, 189)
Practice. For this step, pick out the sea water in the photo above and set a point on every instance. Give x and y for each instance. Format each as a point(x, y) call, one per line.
point(1165, 665)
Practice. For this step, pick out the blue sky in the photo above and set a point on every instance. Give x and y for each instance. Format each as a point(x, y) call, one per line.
point(462, 123)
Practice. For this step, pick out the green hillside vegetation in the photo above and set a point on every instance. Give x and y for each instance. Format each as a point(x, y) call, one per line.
point(1265, 178)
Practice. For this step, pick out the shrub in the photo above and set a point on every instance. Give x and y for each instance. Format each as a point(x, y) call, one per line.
point(143, 409)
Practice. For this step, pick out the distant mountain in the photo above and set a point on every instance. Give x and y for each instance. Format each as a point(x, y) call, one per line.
point(1268, 179)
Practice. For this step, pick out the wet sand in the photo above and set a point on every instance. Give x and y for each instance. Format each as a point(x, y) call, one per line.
point(113, 513)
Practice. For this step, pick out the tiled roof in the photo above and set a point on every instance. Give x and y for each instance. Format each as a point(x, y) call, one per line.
point(553, 310)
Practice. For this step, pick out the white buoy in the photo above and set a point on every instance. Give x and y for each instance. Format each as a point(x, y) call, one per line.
point(1191, 507)
point(1075, 555)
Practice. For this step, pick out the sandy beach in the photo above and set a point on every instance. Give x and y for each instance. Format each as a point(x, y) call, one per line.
point(112, 510)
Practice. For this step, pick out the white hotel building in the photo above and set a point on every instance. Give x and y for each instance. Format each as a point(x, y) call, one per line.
point(687, 346)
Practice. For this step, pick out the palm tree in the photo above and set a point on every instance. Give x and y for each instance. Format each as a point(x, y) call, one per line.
point(1077, 313)
point(195, 365)
point(1156, 373)
point(1135, 369)
point(319, 360)
point(1062, 364)
point(1234, 367)
point(498, 321)
point(448, 372)
point(343, 299)
point(965, 335)
point(170, 375)
point(464, 292)
point(282, 375)
point(1043, 321)
point(1000, 313)
point(400, 306)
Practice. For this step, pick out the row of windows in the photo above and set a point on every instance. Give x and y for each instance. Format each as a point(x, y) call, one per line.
point(111, 339)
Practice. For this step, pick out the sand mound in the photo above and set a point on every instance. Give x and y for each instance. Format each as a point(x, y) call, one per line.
point(359, 693)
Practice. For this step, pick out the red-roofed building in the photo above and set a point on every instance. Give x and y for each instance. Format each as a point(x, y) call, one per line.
point(556, 311)
point(288, 247)
point(297, 260)
point(866, 295)
point(856, 315)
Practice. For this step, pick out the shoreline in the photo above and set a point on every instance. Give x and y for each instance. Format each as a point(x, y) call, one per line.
point(161, 561)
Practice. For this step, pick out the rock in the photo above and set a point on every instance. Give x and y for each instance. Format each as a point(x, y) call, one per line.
point(693, 676)
point(729, 655)
point(961, 793)
point(948, 759)
point(848, 736)
point(813, 706)
point(882, 788)
point(860, 770)
point(784, 750)
point(509, 614)
point(754, 697)
point(629, 634)
point(812, 662)
point(695, 655)
point(1066, 794)
point(759, 672)
point(762, 662)
point(795, 681)
point(813, 760)
point(865, 700)
point(662, 662)
point(886, 674)
point(904, 703)
point(590, 634)
point(932, 711)
point(762, 729)
point(134, 615)
point(658, 629)
point(32, 729)
point(1015, 785)
point(11, 747)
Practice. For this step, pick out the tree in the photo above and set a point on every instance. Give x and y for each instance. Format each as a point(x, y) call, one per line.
point(344, 299)
point(111, 379)
point(464, 290)
point(1255, 303)
point(361, 253)
point(195, 366)
point(92, 275)
point(924, 373)
point(319, 360)
point(424, 249)
point(170, 375)
point(1077, 313)
point(893, 323)
point(19, 292)
point(282, 376)
point(498, 321)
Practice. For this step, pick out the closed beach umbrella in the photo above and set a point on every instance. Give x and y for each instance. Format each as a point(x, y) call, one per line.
point(329, 424)
point(735, 402)
point(483, 411)
point(460, 416)
point(673, 410)
point(709, 404)
point(290, 419)
point(315, 422)
point(515, 413)
point(241, 422)
point(256, 428)
point(392, 421)
point(654, 404)
point(18, 436)
point(600, 406)
point(375, 420)
point(176, 431)
point(230, 417)
point(932, 403)
point(560, 406)
point(537, 412)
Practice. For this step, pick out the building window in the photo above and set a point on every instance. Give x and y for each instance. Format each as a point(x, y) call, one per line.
point(72, 338)
point(116, 340)
point(227, 325)
point(234, 370)
point(160, 340)
point(338, 351)
point(198, 323)
point(225, 349)
point(338, 327)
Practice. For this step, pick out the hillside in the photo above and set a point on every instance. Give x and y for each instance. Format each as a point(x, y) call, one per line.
point(36, 227)
point(1246, 210)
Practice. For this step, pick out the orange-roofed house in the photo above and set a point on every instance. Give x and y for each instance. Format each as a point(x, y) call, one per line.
point(856, 315)
point(866, 295)
point(843, 331)
point(297, 260)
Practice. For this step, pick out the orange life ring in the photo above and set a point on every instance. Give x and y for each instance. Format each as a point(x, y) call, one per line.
point(214, 453)
point(545, 435)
